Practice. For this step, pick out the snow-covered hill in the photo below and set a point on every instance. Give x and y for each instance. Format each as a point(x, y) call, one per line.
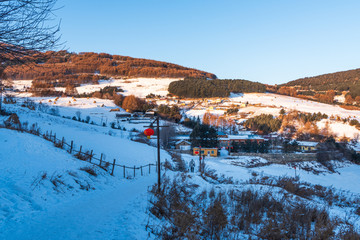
point(140, 87)
point(45, 193)
point(291, 103)
point(253, 104)
point(114, 143)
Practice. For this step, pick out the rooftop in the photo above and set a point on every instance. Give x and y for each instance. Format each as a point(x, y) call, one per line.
point(307, 144)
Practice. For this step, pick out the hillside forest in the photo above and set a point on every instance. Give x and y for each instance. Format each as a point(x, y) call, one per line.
point(322, 87)
point(205, 88)
point(62, 68)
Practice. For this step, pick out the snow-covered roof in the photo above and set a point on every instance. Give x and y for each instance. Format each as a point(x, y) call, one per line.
point(203, 148)
point(183, 137)
point(307, 144)
point(240, 137)
point(180, 141)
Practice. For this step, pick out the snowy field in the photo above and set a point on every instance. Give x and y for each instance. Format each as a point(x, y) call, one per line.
point(240, 168)
point(340, 129)
point(140, 87)
point(42, 195)
point(114, 143)
point(269, 103)
point(291, 103)
point(113, 207)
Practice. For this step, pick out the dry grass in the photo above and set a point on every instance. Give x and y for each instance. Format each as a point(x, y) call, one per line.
point(57, 182)
point(89, 170)
point(241, 213)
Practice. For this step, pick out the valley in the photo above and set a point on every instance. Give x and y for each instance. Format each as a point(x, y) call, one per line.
point(93, 124)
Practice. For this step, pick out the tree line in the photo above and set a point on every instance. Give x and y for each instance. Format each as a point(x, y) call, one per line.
point(204, 88)
point(339, 81)
point(63, 67)
point(263, 124)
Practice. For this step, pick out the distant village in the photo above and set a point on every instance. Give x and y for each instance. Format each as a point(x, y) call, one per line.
point(232, 135)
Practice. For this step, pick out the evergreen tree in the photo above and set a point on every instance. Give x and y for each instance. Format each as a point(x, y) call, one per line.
point(204, 136)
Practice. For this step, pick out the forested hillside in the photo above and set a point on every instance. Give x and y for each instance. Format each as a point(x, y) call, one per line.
point(64, 67)
point(339, 81)
point(202, 88)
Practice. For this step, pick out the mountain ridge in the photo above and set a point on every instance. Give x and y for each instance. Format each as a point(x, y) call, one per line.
point(65, 67)
point(348, 80)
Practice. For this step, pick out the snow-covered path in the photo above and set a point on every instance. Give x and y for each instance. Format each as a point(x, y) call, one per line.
point(115, 213)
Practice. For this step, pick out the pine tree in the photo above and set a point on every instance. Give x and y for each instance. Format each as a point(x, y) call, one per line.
point(204, 136)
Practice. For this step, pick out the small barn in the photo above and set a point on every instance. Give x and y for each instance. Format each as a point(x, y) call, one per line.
point(183, 145)
point(305, 146)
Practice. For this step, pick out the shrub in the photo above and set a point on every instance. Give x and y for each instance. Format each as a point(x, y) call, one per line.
point(89, 170)
point(190, 213)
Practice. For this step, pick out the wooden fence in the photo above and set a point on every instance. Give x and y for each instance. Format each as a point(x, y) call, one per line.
point(89, 156)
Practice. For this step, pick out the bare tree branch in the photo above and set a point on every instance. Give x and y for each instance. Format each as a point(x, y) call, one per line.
point(24, 28)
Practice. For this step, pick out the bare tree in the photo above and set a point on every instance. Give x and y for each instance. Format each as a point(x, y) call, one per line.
point(25, 28)
point(167, 134)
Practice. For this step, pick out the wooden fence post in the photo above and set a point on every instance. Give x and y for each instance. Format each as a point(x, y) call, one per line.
point(149, 168)
point(80, 151)
point(50, 135)
point(124, 170)
point(101, 159)
point(91, 155)
point(71, 146)
point(134, 170)
point(112, 171)
point(62, 142)
point(141, 170)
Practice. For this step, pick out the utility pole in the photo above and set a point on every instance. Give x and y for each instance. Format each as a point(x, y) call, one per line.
point(157, 120)
point(200, 159)
point(158, 150)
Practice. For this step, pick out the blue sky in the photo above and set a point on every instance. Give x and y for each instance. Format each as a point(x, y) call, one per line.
point(259, 40)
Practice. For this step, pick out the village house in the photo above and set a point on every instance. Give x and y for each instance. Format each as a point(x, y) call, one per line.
point(183, 145)
point(221, 134)
point(272, 136)
point(149, 114)
point(305, 146)
point(211, 152)
point(228, 140)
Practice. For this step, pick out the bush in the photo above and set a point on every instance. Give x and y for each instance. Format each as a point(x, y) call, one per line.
point(186, 212)
point(89, 170)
